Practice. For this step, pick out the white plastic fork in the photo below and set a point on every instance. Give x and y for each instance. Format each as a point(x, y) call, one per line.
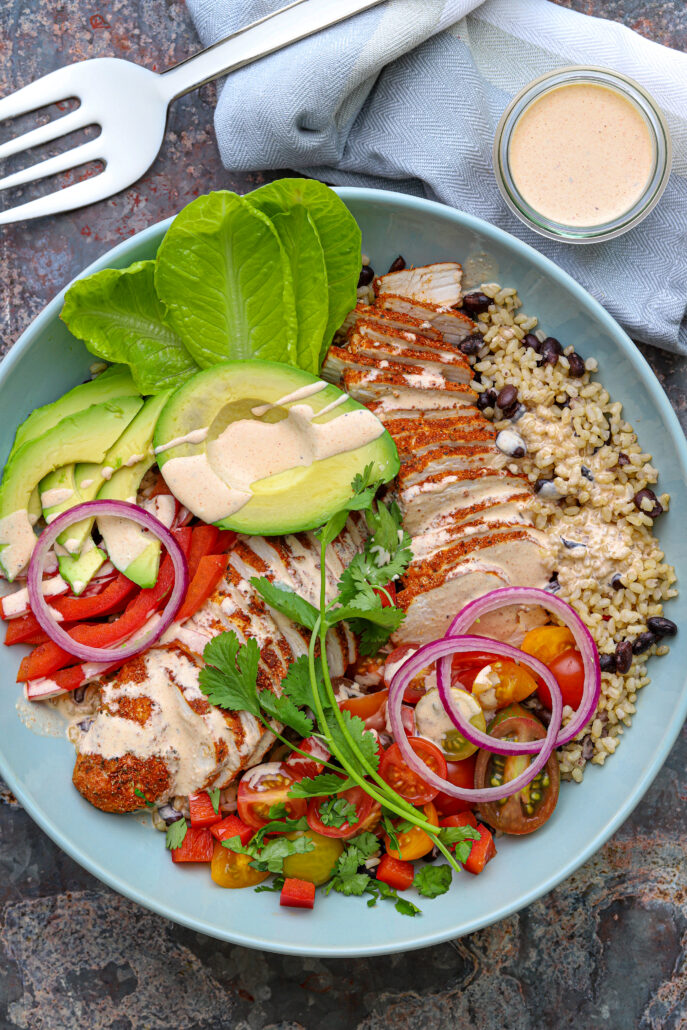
point(130, 103)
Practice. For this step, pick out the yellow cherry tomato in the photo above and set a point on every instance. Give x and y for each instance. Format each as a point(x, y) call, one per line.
point(414, 843)
point(547, 642)
point(317, 865)
point(503, 683)
point(231, 870)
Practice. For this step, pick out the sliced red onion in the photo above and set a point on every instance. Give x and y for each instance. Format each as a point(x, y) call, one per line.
point(94, 509)
point(428, 655)
point(585, 644)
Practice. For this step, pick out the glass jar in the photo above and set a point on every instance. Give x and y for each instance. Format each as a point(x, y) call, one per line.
point(643, 104)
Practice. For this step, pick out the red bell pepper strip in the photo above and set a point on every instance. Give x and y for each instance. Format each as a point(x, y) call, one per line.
point(211, 568)
point(225, 541)
point(232, 826)
point(202, 810)
point(197, 846)
point(297, 893)
point(203, 541)
point(25, 630)
point(395, 873)
point(68, 679)
point(481, 852)
point(48, 658)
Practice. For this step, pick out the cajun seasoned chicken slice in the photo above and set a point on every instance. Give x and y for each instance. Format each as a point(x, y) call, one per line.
point(439, 283)
point(454, 326)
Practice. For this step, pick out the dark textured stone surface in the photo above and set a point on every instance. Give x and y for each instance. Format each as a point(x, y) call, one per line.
point(605, 950)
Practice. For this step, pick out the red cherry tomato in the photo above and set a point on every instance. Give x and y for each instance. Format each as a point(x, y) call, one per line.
point(321, 817)
point(569, 672)
point(416, 688)
point(404, 780)
point(390, 589)
point(299, 766)
point(264, 786)
point(460, 774)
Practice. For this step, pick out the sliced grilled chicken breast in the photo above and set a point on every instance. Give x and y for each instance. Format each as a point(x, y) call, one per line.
point(454, 326)
point(439, 283)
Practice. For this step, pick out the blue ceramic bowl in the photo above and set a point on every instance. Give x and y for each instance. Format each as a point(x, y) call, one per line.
point(130, 857)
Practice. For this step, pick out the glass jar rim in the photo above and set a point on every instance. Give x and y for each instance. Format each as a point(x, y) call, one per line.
point(631, 91)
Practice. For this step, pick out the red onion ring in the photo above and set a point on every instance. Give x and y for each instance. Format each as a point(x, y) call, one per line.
point(93, 509)
point(585, 643)
point(440, 649)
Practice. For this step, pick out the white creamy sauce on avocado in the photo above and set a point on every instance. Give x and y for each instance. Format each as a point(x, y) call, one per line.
point(218, 482)
point(58, 495)
point(17, 541)
point(125, 540)
point(195, 436)
point(85, 483)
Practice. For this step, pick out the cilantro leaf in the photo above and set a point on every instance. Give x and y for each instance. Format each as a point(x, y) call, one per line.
point(337, 812)
point(391, 832)
point(354, 885)
point(433, 880)
point(296, 683)
point(345, 878)
point(175, 834)
point(285, 600)
point(372, 636)
point(214, 797)
point(355, 730)
point(366, 845)
point(271, 857)
point(459, 838)
point(331, 529)
point(273, 886)
point(229, 679)
point(407, 908)
point(320, 786)
point(285, 711)
point(278, 811)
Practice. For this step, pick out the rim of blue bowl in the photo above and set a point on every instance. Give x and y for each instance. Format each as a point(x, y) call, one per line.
point(673, 726)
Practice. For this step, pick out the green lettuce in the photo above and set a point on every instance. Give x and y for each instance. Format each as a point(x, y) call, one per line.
point(339, 236)
point(117, 314)
point(226, 282)
point(302, 246)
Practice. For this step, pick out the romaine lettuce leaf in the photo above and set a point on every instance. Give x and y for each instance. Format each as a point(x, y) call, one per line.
point(226, 283)
point(301, 243)
point(119, 317)
point(339, 235)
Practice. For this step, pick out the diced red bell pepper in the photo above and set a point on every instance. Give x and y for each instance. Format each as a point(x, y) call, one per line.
point(160, 487)
point(197, 846)
point(297, 893)
point(395, 873)
point(460, 819)
point(390, 589)
point(203, 541)
point(481, 852)
point(48, 658)
point(211, 568)
point(109, 601)
point(230, 827)
point(202, 810)
point(225, 541)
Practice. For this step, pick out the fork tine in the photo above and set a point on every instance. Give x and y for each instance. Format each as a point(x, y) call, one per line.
point(47, 90)
point(45, 133)
point(91, 151)
point(98, 187)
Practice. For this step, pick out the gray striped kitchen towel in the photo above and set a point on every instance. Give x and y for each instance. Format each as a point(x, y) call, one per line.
point(407, 96)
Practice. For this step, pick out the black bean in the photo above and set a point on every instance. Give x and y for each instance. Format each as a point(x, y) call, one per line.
point(367, 274)
point(576, 369)
point(617, 582)
point(623, 656)
point(587, 473)
point(169, 814)
point(431, 856)
point(550, 351)
point(643, 642)
point(661, 627)
point(475, 303)
point(530, 340)
point(507, 398)
point(80, 693)
point(471, 344)
point(398, 264)
point(546, 488)
point(487, 399)
point(607, 662)
point(623, 460)
point(648, 495)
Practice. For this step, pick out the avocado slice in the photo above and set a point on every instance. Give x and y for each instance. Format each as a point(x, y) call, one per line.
point(114, 382)
point(130, 549)
point(219, 429)
point(87, 435)
point(79, 569)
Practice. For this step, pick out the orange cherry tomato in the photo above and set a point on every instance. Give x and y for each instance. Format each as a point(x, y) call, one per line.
point(515, 683)
point(547, 642)
point(568, 669)
point(231, 870)
point(404, 780)
point(366, 706)
point(264, 786)
point(413, 843)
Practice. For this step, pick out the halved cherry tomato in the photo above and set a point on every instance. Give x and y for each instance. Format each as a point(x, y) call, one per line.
point(195, 847)
point(481, 851)
point(460, 819)
point(229, 869)
point(397, 874)
point(568, 669)
point(404, 780)
point(300, 767)
point(367, 706)
point(317, 865)
point(367, 810)
point(202, 810)
point(416, 688)
point(264, 786)
point(547, 642)
point(390, 589)
point(413, 843)
point(534, 804)
point(514, 684)
point(460, 774)
point(297, 893)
